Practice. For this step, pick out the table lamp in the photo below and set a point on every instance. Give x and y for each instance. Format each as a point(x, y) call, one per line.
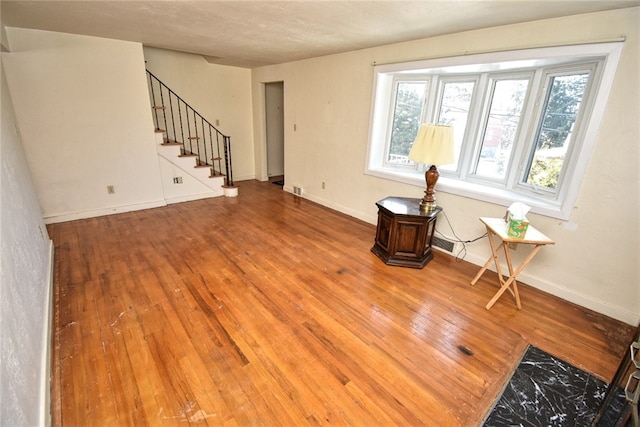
point(433, 146)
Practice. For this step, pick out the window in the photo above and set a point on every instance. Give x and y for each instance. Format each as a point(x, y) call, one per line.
point(559, 113)
point(454, 108)
point(524, 121)
point(407, 116)
point(500, 127)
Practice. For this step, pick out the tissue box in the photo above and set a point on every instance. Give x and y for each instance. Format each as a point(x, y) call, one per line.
point(517, 227)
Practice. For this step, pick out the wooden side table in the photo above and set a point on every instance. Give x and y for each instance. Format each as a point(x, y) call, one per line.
point(498, 227)
point(404, 233)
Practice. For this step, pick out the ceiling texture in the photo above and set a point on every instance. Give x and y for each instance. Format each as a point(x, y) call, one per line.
point(256, 33)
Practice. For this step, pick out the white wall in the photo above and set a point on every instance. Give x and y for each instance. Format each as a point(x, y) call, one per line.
point(597, 253)
point(26, 256)
point(217, 92)
point(85, 119)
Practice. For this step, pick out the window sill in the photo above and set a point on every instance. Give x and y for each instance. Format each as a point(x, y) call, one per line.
point(485, 193)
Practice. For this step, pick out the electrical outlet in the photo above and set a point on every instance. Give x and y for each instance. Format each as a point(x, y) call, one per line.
point(111, 189)
point(323, 185)
point(217, 122)
point(177, 180)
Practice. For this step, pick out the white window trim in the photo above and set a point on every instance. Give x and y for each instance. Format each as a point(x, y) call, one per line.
point(383, 84)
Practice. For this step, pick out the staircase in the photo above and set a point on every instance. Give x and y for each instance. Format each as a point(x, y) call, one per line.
point(185, 137)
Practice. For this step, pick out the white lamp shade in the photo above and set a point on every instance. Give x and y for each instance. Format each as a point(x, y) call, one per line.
point(433, 145)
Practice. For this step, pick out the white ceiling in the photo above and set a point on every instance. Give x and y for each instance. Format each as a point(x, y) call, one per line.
point(255, 33)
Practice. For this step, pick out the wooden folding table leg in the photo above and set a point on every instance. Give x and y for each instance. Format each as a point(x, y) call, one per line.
point(493, 259)
point(512, 278)
point(516, 295)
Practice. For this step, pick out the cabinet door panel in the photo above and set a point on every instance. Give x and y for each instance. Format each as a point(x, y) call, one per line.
point(384, 226)
point(426, 246)
point(410, 239)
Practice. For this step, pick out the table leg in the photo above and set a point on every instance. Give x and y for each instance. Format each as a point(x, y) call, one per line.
point(497, 259)
point(492, 258)
point(516, 295)
point(513, 276)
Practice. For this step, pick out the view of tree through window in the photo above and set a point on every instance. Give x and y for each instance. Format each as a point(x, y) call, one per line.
point(406, 119)
point(554, 135)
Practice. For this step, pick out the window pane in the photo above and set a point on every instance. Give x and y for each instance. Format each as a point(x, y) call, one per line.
point(407, 115)
point(559, 115)
point(454, 110)
point(501, 127)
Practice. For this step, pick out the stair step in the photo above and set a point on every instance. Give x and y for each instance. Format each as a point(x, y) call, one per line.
point(158, 107)
point(201, 165)
point(170, 142)
point(194, 137)
point(160, 130)
point(216, 158)
point(187, 154)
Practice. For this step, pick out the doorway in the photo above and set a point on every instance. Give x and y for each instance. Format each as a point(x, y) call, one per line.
point(274, 118)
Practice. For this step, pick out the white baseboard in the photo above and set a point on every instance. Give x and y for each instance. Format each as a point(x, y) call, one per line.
point(337, 207)
point(192, 197)
point(71, 216)
point(47, 345)
point(247, 178)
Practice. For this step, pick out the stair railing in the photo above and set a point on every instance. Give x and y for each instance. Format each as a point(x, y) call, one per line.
point(183, 125)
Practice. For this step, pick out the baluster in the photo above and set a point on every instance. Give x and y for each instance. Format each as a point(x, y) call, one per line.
point(227, 160)
point(195, 127)
point(153, 99)
point(219, 156)
point(204, 141)
point(213, 162)
point(173, 122)
point(164, 113)
point(181, 126)
point(188, 127)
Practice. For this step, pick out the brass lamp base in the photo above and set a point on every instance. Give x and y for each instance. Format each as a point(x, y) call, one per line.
point(427, 206)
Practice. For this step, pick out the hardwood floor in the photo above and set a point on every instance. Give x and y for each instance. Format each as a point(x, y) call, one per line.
point(268, 309)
